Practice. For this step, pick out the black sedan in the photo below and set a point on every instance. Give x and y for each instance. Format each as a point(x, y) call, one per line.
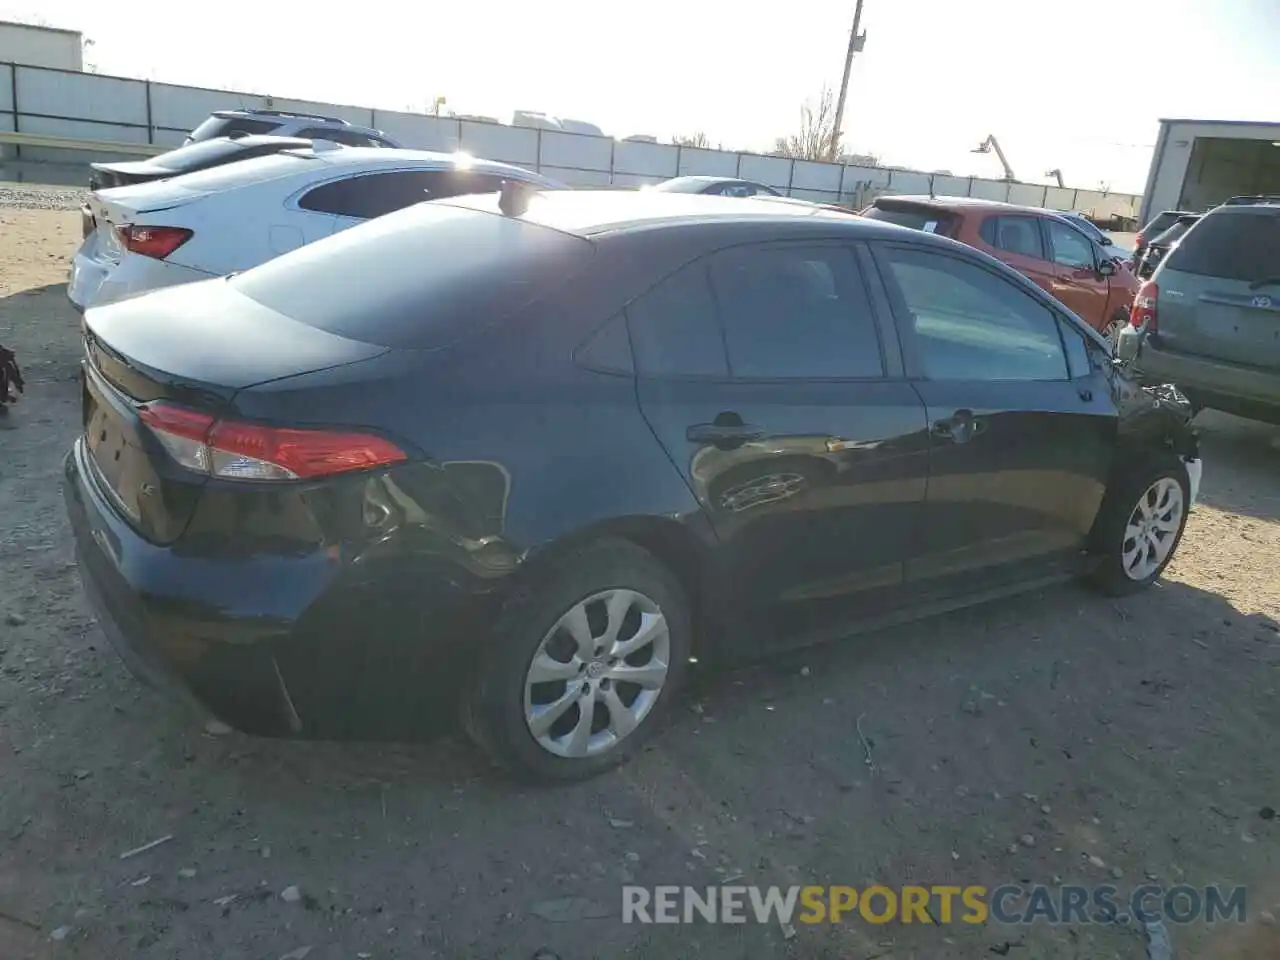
point(519, 459)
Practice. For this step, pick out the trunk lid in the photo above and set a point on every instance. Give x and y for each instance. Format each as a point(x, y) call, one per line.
point(1222, 319)
point(197, 346)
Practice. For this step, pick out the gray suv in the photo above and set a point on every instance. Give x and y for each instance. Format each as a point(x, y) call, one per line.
point(285, 123)
point(1209, 317)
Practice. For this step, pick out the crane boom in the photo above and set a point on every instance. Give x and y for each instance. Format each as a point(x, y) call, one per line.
point(991, 143)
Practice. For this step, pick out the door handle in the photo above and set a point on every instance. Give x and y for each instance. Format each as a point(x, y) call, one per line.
point(726, 436)
point(960, 427)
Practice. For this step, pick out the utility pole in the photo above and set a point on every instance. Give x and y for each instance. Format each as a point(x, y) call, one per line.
point(856, 42)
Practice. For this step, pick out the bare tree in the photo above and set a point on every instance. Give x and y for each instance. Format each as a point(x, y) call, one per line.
point(817, 137)
point(697, 139)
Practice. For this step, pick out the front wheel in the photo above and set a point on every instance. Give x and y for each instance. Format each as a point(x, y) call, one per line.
point(1141, 524)
point(584, 664)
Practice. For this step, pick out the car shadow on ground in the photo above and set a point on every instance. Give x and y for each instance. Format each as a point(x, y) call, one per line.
point(924, 750)
point(1245, 457)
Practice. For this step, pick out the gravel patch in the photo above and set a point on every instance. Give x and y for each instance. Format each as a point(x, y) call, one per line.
point(34, 196)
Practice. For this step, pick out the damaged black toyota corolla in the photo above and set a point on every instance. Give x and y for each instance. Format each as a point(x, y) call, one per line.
point(519, 458)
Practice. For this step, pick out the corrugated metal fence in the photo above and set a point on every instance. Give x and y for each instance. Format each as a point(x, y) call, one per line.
point(88, 106)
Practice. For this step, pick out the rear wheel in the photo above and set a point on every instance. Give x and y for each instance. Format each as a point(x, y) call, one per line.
point(1141, 524)
point(585, 663)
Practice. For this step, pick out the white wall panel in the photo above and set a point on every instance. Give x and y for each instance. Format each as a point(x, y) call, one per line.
point(493, 141)
point(100, 107)
point(81, 95)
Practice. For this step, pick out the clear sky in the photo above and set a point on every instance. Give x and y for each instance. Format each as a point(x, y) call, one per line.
point(1077, 86)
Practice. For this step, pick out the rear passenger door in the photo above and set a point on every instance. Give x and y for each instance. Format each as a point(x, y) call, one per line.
point(771, 377)
point(1022, 424)
point(1018, 242)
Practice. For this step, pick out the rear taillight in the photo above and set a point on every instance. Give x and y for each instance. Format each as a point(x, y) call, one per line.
point(157, 242)
point(249, 451)
point(1143, 312)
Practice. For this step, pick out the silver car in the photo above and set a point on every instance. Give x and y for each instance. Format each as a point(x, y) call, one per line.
point(1209, 317)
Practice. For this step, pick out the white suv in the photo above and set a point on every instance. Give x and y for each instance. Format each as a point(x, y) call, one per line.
point(229, 218)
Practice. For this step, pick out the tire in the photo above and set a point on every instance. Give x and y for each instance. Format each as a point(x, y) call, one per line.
point(563, 612)
point(1139, 481)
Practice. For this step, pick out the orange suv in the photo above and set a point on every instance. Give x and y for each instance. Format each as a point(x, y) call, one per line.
point(1036, 242)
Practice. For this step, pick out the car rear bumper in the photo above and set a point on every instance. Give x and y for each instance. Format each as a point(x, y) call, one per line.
point(262, 642)
point(1206, 378)
point(96, 281)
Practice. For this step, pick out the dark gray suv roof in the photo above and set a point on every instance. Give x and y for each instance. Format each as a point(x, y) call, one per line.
point(289, 123)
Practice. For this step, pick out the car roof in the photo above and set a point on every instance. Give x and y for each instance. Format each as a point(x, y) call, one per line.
point(1272, 207)
point(702, 178)
point(588, 213)
point(399, 156)
point(964, 204)
point(282, 114)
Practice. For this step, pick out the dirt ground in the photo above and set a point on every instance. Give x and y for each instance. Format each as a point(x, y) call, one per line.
point(1057, 738)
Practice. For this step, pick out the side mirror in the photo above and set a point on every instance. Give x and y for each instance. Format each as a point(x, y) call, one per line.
point(1128, 344)
point(1107, 242)
point(1107, 268)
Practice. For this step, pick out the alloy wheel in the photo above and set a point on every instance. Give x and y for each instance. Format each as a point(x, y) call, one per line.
point(1152, 529)
point(597, 673)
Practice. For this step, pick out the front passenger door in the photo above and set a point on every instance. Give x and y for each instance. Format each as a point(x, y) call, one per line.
point(1077, 282)
point(1021, 429)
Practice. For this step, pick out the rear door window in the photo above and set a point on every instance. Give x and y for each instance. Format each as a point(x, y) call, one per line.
point(1017, 235)
point(785, 311)
point(1231, 246)
point(795, 311)
point(674, 328)
point(371, 195)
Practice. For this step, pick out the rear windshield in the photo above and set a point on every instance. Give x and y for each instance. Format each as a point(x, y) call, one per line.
point(917, 218)
point(1173, 234)
point(419, 278)
point(1232, 246)
point(244, 171)
point(1161, 223)
point(232, 127)
point(197, 154)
